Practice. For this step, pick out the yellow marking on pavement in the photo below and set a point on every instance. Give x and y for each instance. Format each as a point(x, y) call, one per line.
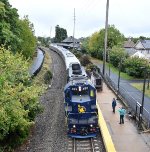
point(109, 145)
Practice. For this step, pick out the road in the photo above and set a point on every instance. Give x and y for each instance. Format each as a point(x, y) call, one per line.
point(129, 90)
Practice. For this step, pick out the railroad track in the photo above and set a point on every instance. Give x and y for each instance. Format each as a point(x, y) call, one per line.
point(84, 145)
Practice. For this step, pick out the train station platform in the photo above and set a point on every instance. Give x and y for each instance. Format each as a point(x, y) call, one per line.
point(125, 137)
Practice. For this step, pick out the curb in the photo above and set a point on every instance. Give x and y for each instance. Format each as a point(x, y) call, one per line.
point(109, 145)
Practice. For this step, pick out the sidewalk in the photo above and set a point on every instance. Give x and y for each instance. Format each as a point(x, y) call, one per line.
point(125, 137)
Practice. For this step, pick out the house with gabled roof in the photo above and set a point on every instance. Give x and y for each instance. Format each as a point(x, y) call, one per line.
point(70, 42)
point(129, 47)
point(144, 47)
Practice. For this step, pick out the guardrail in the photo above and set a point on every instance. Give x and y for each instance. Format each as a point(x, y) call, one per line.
point(38, 62)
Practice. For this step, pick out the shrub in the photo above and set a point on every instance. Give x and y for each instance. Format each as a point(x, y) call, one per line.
point(47, 77)
point(18, 98)
point(85, 60)
point(132, 66)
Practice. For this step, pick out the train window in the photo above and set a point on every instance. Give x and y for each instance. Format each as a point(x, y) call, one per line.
point(76, 67)
point(83, 92)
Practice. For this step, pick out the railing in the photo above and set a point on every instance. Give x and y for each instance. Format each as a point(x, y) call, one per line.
point(38, 62)
point(127, 100)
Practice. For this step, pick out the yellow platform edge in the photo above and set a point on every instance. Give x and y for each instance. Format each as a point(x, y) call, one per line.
point(109, 145)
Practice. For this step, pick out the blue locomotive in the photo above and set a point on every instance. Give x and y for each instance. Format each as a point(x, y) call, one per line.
point(80, 104)
point(79, 98)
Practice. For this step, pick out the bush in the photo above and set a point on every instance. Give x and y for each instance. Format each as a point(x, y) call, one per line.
point(85, 60)
point(18, 99)
point(47, 77)
point(116, 54)
point(90, 67)
point(132, 66)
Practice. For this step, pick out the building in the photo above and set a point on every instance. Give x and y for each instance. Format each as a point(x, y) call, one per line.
point(70, 42)
point(143, 46)
point(129, 47)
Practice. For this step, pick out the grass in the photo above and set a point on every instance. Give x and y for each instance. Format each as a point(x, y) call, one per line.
point(39, 79)
point(113, 69)
point(139, 86)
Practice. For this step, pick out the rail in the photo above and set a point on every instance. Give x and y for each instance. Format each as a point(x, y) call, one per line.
point(79, 145)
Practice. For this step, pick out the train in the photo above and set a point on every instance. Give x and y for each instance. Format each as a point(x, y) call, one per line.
point(79, 98)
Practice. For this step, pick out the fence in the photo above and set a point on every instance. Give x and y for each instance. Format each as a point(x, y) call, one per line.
point(129, 101)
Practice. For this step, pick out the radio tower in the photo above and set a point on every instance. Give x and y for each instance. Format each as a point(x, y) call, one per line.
point(74, 28)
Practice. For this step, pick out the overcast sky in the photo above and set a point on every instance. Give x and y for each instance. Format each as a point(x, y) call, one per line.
point(131, 17)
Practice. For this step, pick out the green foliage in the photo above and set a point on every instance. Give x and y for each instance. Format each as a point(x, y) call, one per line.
point(8, 26)
point(27, 39)
point(15, 33)
point(44, 41)
point(84, 45)
point(94, 44)
point(47, 77)
point(96, 41)
point(90, 67)
point(134, 66)
point(85, 60)
point(116, 54)
point(78, 54)
point(18, 98)
point(60, 34)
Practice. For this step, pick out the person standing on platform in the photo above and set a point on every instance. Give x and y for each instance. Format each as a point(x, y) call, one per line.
point(114, 104)
point(122, 112)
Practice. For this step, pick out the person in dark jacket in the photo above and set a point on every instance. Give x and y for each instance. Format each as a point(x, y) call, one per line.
point(114, 104)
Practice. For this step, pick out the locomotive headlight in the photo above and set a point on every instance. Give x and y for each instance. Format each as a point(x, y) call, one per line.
point(79, 88)
point(91, 125)
point(74, 126)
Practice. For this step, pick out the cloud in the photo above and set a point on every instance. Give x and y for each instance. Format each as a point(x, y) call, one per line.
point(129, 16)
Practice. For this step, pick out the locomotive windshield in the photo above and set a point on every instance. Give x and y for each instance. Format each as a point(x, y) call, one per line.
point(77, 92)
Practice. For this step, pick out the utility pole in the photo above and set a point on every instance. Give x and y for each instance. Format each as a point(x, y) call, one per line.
point(105, 42)
point(74, 28)
point(50, 33)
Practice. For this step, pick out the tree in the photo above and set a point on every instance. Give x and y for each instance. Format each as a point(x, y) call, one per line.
point(45, 41)
point(8, 25)
point(116, 55)
point(60, 34)
point(15, 33)
point(84, 45)
point(27, 43)
point(96, 42)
